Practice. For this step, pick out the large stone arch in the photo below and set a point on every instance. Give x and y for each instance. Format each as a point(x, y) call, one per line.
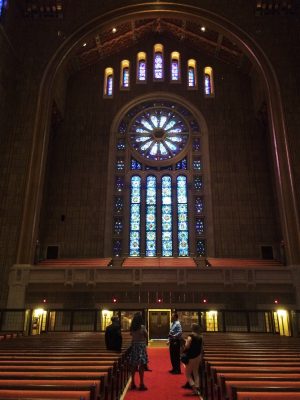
point(282, 168)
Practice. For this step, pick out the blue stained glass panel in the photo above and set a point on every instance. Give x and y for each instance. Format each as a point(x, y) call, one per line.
point(118, 226)
point(151, 216)
point(199, 205)
point(175, 70)
point(122, 127)
point(135, 216)
point(199, 226)
point(197, 164)
point(117, 248)
point(125, 77)
point(158, 65)
point(198, 183)
point(166, 216)
point(135, 165)
point(120, 165)
point(207, 84)
point(191, 77)
point(142, 70)
point(182, 164)
point(196, 144)
point(109, 85)
point(121, 145)
point(200, 248)
point(182, 216)
point(119, 204)
point(119, 184)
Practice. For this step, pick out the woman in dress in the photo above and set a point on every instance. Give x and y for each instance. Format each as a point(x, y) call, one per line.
point(138, 355)
point(193, 349)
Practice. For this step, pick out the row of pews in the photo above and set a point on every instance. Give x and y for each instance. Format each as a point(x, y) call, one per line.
point(251, 367)
point(62, 366)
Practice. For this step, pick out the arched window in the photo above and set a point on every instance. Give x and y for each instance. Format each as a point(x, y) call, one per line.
point(151, 216)
point(192, 74)
point(124, 78)
point(141, 67)
point(135, 216)
point(175, 66)
point(108, 82)
point(208, 82)
point(158, 60)
point(160, 182)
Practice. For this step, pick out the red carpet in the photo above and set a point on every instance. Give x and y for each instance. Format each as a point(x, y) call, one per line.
point(160, 383)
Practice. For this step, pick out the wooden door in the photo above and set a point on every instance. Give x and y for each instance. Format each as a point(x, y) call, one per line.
point(159, 324)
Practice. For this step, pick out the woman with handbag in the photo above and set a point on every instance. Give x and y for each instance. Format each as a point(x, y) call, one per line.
point(192, 352)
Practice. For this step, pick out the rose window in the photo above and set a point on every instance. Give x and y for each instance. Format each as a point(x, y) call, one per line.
point(158, 134)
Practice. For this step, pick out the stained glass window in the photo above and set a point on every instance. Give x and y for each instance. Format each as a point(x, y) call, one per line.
point(1, 7)
point(198, 182)
point(117, 248)
point(135, 165)
point(199, 205)
point(200, 247)
point(182, 214)
point(118, 204)
point(142, 70)
point(121, 145)
point(159, 134)
point(166, 216)
point(196, 144)
point(158, 65)
point(109, 85)
point(197, 164)
point(199, 226)
point(120, 165)
point(118, 226)
point(191, 77)
point(182, 164)
point(151, 216)
point(175, 70)
point(125, 77)
point(119, 183)
point(207, 84)
point(135, 216)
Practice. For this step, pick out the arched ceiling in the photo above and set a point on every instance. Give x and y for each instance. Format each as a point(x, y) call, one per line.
point(110, 41)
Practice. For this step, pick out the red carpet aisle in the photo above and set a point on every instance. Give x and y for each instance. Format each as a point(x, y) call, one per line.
point(160, 383)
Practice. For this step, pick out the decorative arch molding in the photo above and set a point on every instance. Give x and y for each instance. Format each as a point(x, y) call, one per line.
point(282, 164)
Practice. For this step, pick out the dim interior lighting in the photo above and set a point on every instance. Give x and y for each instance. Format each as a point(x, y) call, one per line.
point(84, 44)
point(114, 30)
point(203, 29)
point(114, 300)
point(44, 300)
point(159, 300)
point(204, 300)
point(276, 301)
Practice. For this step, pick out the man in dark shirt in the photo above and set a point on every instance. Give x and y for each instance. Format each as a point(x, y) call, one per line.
point(113, 336)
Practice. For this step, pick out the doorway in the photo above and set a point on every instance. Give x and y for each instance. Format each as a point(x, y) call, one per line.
point(159, 323)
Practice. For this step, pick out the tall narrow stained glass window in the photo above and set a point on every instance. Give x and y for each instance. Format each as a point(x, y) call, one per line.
point(135, 216)
point(124, 74)
point(151, 216)
point(141, 67)
point(158, 68)
point(108, 82)
point(208, 82)
point(166, 216)
point(182, 215)
point(175, 66)
point(192, 77)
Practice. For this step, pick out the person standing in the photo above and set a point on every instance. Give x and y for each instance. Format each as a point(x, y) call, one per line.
point(113, 335)
point(175, 337)
point(138, 358)
point(193, 348)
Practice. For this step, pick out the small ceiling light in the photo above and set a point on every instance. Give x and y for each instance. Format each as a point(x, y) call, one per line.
point(276, 301)
point(114, 30)
point(203, 29)
point(204, 301)
point(84, 44)
point(44, 300)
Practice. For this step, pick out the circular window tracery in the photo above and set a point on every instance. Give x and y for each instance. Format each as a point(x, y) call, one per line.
point(158, 131)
